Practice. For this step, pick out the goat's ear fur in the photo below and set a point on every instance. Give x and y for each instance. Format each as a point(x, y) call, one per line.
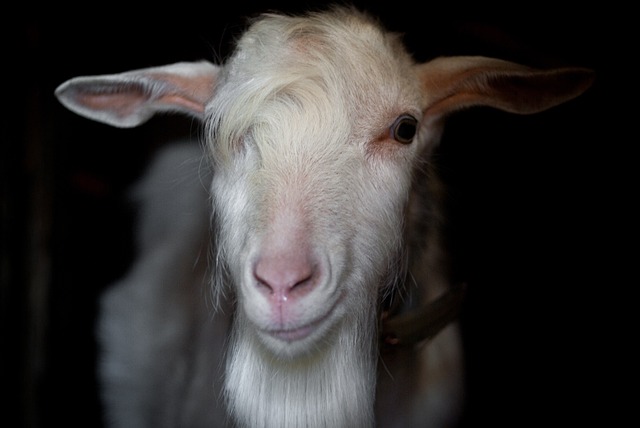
point(454, 83)
point(129, 99)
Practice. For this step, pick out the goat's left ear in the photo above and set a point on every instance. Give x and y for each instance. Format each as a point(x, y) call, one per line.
point(453, 83)
point(129, 99)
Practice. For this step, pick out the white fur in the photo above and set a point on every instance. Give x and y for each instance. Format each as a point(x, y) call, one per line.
point(317, 214)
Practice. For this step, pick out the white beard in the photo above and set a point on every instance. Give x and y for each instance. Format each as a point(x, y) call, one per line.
point(330, 387)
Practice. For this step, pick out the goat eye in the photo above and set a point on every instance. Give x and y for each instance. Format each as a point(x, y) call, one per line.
point(404, 128)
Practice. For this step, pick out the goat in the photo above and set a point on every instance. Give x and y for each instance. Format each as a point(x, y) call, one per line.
point(322, 208)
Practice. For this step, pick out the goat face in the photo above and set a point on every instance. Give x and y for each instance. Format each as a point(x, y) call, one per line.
point(310, 184)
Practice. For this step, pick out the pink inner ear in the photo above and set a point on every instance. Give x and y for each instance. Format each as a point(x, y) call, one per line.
point(121, 103)
point(182, 102)
point(189, 92)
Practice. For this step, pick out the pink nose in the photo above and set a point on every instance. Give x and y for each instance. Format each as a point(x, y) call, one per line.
point(286, 276)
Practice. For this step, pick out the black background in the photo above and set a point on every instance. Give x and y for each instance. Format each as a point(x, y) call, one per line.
point(536, 202)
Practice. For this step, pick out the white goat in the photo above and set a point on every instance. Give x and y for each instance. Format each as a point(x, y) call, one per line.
point(318, 131)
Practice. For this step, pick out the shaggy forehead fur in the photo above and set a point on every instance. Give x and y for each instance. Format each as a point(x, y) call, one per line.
point(288, 72)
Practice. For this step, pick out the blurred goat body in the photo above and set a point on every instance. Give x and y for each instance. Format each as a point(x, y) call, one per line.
point(313, 202)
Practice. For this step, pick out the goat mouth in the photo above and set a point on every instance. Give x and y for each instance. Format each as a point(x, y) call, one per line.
point(295, 334)
point(291, 335)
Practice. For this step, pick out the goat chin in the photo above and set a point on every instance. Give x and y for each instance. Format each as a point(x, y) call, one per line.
point(265, 389)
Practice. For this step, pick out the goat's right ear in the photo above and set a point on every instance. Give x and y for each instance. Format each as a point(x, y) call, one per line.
point(128, 99)
point(454, 83)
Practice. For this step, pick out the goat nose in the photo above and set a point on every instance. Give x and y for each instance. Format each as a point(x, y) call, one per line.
point(283, 277)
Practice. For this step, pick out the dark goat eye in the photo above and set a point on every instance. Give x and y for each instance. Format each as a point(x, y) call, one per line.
point(404, 128)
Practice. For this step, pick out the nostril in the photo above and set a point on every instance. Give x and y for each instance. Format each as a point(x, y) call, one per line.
point(305, 281)
point(262, 283)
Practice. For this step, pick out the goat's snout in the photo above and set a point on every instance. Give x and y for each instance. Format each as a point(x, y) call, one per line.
point(289, 293)
point(287, 275)
point(294, 306)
